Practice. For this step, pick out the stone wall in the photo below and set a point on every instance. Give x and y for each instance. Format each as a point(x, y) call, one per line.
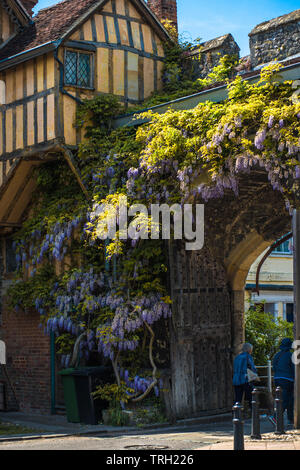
point(203, 59)
point(275, 39)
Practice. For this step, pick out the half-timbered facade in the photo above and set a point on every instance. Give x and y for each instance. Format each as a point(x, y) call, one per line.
point(49, 63)
point(68, 52)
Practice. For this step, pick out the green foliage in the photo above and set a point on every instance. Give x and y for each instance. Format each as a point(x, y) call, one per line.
point(98, 113)
point(265, 334)
point(9, 429)
point(151, 413)
point(270, 73)
point(117, 417)
point(65, 343)
point(223, 72)
point(113, 393)
point(57, 200)
point(175, 74)
point(23, 293)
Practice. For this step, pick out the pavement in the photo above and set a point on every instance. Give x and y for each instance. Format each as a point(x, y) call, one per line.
point(210, 433)
point(48, 426)
point(51, 426)
point(289, 441)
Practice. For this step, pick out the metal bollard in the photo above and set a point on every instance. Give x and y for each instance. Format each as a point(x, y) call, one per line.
point(238, 427)
point(255, 425)
point(279, 412)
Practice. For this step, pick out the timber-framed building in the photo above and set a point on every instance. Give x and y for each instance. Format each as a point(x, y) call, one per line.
point(79, 48)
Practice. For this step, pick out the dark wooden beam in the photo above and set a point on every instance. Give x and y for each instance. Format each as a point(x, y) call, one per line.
point(106, 45)
point(10, 225)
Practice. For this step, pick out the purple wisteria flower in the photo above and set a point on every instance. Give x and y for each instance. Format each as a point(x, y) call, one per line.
point(259, 139)
point(271, 122)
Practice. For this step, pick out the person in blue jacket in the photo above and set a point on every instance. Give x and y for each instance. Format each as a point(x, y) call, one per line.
point(242, 362)
point(284, 376)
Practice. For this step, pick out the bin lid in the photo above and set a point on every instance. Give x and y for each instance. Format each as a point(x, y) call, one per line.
point(85, 371)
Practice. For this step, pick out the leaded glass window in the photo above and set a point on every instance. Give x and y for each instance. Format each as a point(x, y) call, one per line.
point(10, 255)
point(71, 68)
point(78, 69)
point(84, 70)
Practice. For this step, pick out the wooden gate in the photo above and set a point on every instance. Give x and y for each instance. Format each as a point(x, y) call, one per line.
point(201, 339)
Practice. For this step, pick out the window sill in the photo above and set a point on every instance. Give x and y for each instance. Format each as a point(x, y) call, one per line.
point(281, 255)
point(78, 87)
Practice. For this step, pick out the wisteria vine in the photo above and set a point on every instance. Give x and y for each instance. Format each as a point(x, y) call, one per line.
point(108, 307)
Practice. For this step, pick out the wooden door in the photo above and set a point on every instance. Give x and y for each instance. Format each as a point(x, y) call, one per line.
point(201, 340)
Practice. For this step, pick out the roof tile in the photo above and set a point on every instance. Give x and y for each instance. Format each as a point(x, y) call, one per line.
point(49, 25)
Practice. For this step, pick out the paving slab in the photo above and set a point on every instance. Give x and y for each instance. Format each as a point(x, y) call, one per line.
point(270, 441)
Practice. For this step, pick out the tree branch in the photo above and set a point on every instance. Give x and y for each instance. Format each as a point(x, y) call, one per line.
point(76, 350)
point(152, 385)
point(115, 367)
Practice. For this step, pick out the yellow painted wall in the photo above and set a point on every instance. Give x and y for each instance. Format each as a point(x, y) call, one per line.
point(275, 270)
point(129, 56)
point(29, 114)
point(103, 29)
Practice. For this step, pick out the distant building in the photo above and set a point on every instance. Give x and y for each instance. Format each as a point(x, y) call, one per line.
point(275, 283)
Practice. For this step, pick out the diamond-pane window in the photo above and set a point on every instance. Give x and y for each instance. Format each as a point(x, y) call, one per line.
point(84, 70)
point(78, 69)
point(71, 68)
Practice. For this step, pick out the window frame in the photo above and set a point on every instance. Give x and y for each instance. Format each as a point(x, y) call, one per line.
point(282, 253)
point(91, 85)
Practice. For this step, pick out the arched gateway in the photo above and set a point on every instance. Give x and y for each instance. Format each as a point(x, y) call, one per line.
point(207, 286)
point(208, 292)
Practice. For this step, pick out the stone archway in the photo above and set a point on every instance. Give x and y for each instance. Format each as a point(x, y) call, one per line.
point(207, 289)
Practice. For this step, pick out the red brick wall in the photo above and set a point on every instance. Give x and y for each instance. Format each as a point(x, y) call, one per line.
point(165, 9)
point(28, 361)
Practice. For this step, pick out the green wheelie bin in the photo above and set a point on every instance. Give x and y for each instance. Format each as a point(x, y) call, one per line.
point(70, 395)
point(79, 384)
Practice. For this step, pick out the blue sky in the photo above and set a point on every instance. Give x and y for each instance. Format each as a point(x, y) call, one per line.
point(209, 19)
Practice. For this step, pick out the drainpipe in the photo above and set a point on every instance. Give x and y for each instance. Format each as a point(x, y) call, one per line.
point(72, 164)
point(61, 75)
point(67, 152)
point(52, 369)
